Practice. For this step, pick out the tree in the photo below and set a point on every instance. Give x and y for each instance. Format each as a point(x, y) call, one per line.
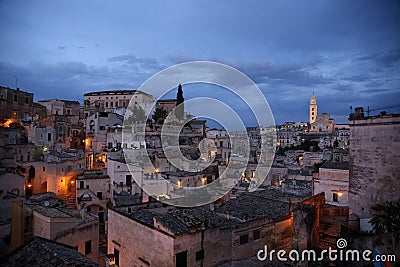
point(138, 115)
point(386, 218)
point(159, 115)
point(180, 108)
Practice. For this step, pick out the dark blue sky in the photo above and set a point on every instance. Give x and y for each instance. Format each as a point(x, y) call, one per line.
point(348, 52)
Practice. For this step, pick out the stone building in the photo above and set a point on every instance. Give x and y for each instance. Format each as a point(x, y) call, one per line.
point(222, 144)
point(166, 104)
point(44, 136)
point(323, 123)
point(374, 162)
point(43, 252)
point(65, 118)
point(333, 180)
point(97, 128)
point(199, 236)
point(67, 108)
point(215, 234)
point(74, 228)
point(56, 173)
point(111, 101)
point(93, 192)
point(15, 104)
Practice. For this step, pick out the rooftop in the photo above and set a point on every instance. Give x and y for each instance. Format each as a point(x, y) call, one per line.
point(177, 221)
point(61, 100)
point(43, 252)
point(125, 199)
point(57, 212)
point(335, 165)
point(115, 92)
point(92, 174)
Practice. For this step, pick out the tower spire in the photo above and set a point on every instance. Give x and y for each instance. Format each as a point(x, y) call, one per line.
point(313, 108)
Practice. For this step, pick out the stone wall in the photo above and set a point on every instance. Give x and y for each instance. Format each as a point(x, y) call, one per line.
point(374, 163)
point(138, 243)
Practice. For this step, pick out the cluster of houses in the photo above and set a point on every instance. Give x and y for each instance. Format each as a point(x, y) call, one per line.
point(72, 183)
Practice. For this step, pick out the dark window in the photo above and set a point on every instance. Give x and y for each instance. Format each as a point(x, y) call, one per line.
point(15, 98)
point(99, 195)
point(48, 136)
point(111, 104)
point(244, 239)
point(256, 234)
point(200, 255)
point(81, 185)
point(116, 104)
point(116, 255)
point(181, 259)
point(128, 179)
point(26, 100)
point(335, 197)
point(88, 247)
point(89, 209)
point(106, 104)
point(44, 169)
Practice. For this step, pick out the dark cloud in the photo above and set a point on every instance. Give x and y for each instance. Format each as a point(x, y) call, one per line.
point(143, 62)
point(383, 59)
point(67, 79)
point(347, 51)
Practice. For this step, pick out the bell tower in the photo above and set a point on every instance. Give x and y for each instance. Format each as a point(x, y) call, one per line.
point(313, 108)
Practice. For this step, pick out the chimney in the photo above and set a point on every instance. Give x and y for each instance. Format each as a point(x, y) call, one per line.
point(83, 212)
point(359, 113)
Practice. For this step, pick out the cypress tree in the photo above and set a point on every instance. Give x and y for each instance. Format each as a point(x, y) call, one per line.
point(179, 111)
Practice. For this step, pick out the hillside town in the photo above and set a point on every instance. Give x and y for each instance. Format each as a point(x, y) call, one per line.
point(73, 186)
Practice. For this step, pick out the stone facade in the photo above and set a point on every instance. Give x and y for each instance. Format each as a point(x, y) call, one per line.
point(333, 180)
point(67, 227)
point(199, 236)
point(15, 104)
point(374, 163)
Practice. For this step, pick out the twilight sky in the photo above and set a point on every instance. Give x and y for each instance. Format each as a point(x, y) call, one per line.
point(348, 52)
